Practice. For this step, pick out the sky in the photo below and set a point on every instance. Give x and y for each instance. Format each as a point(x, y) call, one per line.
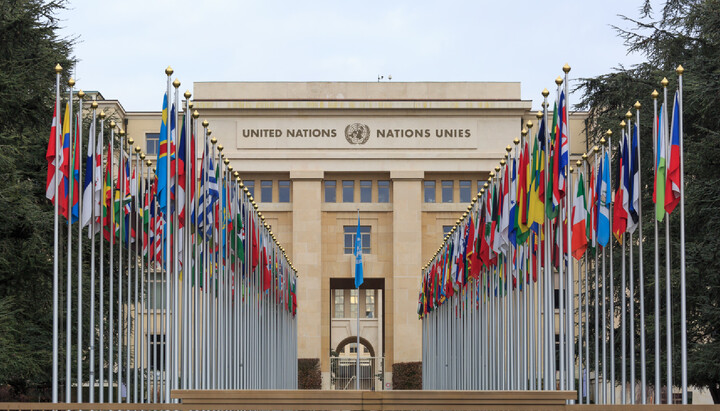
point(123, 47)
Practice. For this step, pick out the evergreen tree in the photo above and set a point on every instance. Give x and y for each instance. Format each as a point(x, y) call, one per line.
point(29, 50)
point(685, 32)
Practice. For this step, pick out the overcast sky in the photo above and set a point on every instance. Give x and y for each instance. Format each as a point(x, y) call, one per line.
point(124, 46)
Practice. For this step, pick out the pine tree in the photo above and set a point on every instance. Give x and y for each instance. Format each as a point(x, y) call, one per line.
point(685, 32)
point(29, 50)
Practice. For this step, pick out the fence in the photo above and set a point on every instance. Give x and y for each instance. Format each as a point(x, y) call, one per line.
point(343, 373)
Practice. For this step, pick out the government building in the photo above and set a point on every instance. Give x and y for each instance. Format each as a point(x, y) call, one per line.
point(406, 157)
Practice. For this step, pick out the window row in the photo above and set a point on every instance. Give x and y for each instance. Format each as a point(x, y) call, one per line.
point(352, 296)
point(266, 190)
point(447, 190)
point(348, 191)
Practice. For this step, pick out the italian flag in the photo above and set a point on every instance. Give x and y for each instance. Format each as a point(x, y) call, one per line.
point(579, 217)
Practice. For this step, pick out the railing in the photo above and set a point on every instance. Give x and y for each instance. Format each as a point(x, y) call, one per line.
point(343, 373)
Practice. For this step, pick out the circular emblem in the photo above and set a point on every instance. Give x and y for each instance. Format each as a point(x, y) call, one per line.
point(357, 133)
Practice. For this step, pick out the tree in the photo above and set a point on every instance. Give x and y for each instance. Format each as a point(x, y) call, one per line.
point(29, 50)
point(684, 32)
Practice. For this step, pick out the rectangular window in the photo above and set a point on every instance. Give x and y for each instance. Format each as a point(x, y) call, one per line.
point(353, 348)
point(156, 291)
point(349, 243)
point(330, 186)
point(152, 141)
point(353, 303)
point(250, 184)
point(447, 229)
point(339, 303)
point(465, 192)
point(157, 350)
point(429, 190)
point(348, 191)
point(365, 191)
point(369, 303)
point(447, 191)
point(284, 191)
point(383, 191)
point(266, 191)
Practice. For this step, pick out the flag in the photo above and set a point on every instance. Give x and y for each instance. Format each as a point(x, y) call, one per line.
point(620, 210)
point(64, 161)
point(358, 256)
point(564, 157)
point(592, 209)
point(88, 183)
point(98, 182)
point(75, 182)
point(552, 199)
point(536, 210)
point(603, 199)
point(182, 177)
point(660, 162)
point(108, 221)
point(672, 190)
point(53, 155)
point(579, 217)
point(162, 159)
point(634, 186)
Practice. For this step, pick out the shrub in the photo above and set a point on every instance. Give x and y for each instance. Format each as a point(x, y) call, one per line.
point(407, 376)
point(309, 377)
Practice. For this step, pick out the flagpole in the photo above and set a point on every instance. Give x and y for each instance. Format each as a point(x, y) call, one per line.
point(91, 232)
point(643, 364)
point(101, 353)
point(683, 294)
point(607, 203)
point(656, 315)
point(187, 267)
point(142, 190)
point(623, 290)
point(56, 256)
point(596, 150)
point(111, 229)
point(549, 330)
point(631, 274)
point(173, 253)
point(668, 284)
point(357, 347)
point(570, 272)
point(80, 94)
point(612, 277)
point(68, 301)
point(138, 239)
point(168, 252)
point(128, 245)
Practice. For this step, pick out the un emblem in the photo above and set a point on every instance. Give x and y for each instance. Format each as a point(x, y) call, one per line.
point(357, 133)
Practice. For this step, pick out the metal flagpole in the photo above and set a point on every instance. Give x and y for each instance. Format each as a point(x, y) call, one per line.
point(641, 275)
point(143, 314)
point(167, 252)
point(101, 353)
point(121, 183)
point(78, 150)
point(683, 296)
point(604, 290)
point(549, 330)
point(68, 300)
point(91, 234)
point(631, 279)
point(656, 315)
point(612, 280)
point(136, 307)
point(596, 150)
point(586, 372)
point(623, 289)
point(668, 284)
point(173, 254)
point(128, 244)
point(56, 254)
point(570, 330)
point(357, 347)
point(111, 316)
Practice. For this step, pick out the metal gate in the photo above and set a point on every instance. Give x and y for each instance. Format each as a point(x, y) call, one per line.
point(343, 373)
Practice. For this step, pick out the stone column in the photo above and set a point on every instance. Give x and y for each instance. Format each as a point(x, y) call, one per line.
point(306, 257)
point(407, 248)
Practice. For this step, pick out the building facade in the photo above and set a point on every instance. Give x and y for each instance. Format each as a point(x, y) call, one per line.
point(407, 158)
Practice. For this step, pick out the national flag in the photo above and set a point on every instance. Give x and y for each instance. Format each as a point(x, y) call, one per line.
point(358, 256)
point(672, 190)
point(603, 199)
point(552, 198)
point(108, 220)
point(64, 160)
point(592, 209)
point(75, 181)
point(182, 177)
point(88, 183)
point(162, 166)
point(660, 162)
point(620, 205)
point(562, 134)
point(536, 210)
point(634, 183)
point(53, 157)
point(523, 187)
point(579, 220)
point(98, 182)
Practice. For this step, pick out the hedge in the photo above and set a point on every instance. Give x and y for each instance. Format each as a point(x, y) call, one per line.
point(309, 377)
point(407, 376)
